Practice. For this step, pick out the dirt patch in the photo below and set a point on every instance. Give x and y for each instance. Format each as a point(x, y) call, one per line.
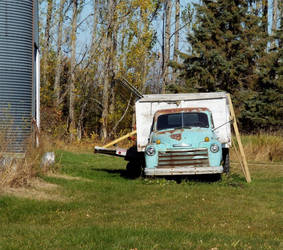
point(36, 189)
point(68, 177)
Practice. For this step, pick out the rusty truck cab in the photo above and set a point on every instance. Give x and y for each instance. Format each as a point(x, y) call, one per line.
point(182, 142)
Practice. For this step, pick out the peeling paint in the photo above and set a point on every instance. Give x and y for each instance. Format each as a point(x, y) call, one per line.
point(192, 158)
point(171, 131)
point(177, 137)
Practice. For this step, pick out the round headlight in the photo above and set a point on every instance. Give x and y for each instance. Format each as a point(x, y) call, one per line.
point(214, 148)
point(150, 150)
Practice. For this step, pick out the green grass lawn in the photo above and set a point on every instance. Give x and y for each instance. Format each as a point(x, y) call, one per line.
point(105, 210)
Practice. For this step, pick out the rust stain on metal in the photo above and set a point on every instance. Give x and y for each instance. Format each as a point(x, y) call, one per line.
point(178, 110)
point(194, 158)
point(182, 160)
point(177, 137)
point(168, 152)
point(170, 131)
point(196, 164)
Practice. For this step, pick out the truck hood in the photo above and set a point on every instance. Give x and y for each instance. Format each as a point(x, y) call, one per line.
point(184, 137)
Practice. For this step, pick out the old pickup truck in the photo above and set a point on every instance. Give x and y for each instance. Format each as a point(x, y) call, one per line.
point(180, 134)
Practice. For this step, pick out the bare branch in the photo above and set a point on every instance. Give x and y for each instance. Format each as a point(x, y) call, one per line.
point(122, 117)
point(179, 29)
point(84, 20)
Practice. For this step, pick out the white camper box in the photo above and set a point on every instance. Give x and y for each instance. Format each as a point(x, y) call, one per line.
point(216, 102)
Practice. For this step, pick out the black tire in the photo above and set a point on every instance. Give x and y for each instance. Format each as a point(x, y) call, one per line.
point(134, 169)
point(215, 177)
point(226, 160)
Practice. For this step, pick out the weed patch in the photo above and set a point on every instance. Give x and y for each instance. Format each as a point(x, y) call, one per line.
point(234, 180)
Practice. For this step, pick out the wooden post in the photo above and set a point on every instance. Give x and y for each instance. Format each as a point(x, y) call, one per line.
point(120, 139)
point(235, 125)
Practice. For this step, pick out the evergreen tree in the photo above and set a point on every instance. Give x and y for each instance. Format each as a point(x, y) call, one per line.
point(264, 108)
point(226, 42)
point(228, 52)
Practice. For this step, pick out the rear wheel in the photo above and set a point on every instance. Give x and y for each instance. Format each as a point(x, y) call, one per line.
point(226, 160)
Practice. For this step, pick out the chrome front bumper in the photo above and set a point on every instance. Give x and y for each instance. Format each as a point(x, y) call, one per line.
point(183, 171)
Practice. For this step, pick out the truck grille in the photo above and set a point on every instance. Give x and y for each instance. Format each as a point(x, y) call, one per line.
point(183, 158)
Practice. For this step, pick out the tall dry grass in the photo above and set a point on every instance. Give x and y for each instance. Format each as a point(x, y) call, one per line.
point(262, 147)
point(18, 169)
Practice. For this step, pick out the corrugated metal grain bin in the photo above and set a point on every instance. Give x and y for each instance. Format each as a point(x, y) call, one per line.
point(19, 64)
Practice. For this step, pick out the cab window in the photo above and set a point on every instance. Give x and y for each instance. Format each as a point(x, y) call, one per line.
point(181, 120)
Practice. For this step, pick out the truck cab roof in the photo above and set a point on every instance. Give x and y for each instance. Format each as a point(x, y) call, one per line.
point(179, 110)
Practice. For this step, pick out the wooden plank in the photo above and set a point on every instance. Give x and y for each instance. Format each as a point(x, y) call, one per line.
point(120, 139)
point(237, 133)
point(238, 156)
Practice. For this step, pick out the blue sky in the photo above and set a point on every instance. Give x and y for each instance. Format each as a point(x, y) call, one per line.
point(85, 30)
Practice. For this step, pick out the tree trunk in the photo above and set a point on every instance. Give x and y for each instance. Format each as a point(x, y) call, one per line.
point(176, 42)
point(144, 74)
point(58, 68)
point(107, 78)
point(94, 28)
point(89, 75)
point(113, 57)
point(274, 22)
point(166, 49)
point(257, 8)
point(280, 42)
point(80, 120)
point(45, 50)
point(265, 15)
point(72, 70)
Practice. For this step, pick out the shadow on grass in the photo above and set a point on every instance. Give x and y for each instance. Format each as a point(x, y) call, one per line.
point(229, 180)
point(208, 178)
point(120, 172)
point(178, 179)
point(233, 180)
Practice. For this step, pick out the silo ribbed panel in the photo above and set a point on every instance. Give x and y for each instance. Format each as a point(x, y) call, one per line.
point(16, 59)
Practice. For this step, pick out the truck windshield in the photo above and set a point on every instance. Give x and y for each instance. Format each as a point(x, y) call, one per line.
point(182, 120)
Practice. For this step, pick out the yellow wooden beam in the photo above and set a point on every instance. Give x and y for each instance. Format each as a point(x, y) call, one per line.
point(241, 148)
point(120, 139)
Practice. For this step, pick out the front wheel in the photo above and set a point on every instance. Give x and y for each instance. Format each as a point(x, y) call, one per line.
point(134, 169)
point(226, 160)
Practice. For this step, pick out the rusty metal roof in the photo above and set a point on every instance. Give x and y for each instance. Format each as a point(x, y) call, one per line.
point(179, 110)
point(182, 97)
